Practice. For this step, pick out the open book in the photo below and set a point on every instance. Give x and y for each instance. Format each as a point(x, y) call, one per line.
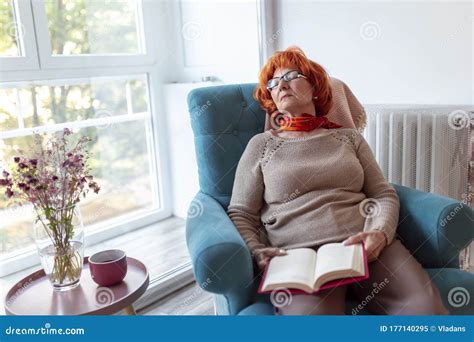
point(304, 270)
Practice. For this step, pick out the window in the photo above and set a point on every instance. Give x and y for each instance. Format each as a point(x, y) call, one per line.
point(60, 68)
point(10, 34)
point(85, 27)
point(114, 113)
point(17, 39)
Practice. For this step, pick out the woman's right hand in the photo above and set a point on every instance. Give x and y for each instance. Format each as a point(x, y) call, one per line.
point(263, 255)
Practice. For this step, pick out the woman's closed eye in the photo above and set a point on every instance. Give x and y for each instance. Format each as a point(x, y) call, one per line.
point(289, 76)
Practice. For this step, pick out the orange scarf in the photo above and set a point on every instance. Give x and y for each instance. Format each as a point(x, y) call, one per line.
point(305, 122)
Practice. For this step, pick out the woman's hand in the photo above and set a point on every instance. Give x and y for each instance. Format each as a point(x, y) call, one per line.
point(374, 243)
point(263, 255)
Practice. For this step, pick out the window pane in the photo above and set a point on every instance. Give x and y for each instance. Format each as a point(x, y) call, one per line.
point(120, 164)
point(93, 27)
point(44, 105)
point(121, 154)
point(12, 102)
point(10, 29)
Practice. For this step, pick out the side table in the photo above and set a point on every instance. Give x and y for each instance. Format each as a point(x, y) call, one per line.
point(34, 294)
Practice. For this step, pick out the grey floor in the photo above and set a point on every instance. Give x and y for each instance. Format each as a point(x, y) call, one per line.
point(190, 300)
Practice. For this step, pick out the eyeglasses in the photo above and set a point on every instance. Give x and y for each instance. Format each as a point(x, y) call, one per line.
point(289, 76)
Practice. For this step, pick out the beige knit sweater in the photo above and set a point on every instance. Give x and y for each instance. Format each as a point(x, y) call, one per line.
point(308, 191)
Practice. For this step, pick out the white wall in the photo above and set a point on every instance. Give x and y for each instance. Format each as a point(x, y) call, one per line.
point(180, 142)
point(202, 38)
point(387, 52)
point(212, 38)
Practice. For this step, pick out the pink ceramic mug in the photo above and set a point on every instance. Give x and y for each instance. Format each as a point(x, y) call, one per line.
point(108, 267)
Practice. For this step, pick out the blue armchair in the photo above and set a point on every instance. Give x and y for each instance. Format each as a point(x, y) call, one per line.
point(223, 119)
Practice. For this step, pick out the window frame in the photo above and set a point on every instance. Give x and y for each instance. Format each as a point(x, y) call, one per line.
point(49, 61)
point(95, 67)
point(28, 60)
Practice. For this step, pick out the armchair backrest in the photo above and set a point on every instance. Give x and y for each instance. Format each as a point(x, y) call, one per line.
point(223, 119)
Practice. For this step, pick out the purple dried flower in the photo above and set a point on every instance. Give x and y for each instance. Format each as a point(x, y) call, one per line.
point(33, 181)
point(9, 193)
point(37, 176)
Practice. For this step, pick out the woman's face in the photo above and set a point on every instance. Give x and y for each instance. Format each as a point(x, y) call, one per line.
point(295, 96)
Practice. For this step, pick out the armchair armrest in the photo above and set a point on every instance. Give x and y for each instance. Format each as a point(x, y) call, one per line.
point(221, 260)
point(454, 287)
point(434, 228)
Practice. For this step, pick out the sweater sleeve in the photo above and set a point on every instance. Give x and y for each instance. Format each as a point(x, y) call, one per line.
point(382, 205)
point(247, 195)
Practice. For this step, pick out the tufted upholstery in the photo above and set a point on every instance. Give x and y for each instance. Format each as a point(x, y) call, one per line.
point(232, 117)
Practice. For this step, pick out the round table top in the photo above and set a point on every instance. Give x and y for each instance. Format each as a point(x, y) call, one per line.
point(34, 294)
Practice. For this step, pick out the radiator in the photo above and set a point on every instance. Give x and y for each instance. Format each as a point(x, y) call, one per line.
point(424, 147)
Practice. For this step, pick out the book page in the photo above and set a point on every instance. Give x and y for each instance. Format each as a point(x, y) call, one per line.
point(340, 260)
point(295, 267)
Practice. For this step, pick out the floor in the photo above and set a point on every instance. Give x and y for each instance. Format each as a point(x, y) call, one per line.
point(190, 300)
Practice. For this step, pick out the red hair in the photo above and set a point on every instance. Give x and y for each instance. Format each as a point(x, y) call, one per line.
point(315, 73)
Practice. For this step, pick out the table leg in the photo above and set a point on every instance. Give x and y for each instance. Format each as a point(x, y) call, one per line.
point(130, 310)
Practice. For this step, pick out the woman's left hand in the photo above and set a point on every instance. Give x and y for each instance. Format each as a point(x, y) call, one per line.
point(374, 243)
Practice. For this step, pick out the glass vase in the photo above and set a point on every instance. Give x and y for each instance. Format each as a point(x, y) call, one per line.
point(59, 237)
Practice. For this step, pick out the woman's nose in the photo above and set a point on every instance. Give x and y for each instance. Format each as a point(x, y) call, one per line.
point(283, 84)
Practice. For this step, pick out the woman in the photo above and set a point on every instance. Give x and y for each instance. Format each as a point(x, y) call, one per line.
point(312, 182)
